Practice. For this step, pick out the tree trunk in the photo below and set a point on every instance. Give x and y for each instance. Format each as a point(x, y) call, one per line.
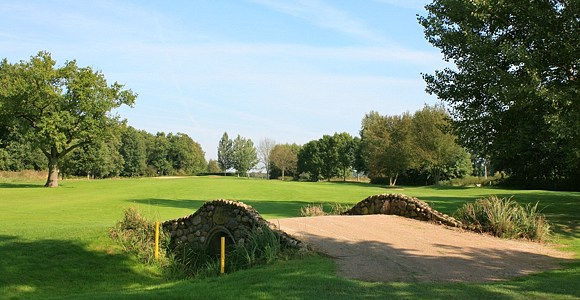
point(436, 176)
point(52, 180)
point(282, 174)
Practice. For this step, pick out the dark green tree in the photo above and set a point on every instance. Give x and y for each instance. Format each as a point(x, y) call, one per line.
point(346, 150)
point(133, 149)
point(100, 160)
point(186, 155)
point(514, 89)
point(59, 109)
point(435, 145)
point(328, 148)
point(310, 161)
point(159, 155)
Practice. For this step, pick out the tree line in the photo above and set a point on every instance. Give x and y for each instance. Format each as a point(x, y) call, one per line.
point(128, 153)
point(511, 104)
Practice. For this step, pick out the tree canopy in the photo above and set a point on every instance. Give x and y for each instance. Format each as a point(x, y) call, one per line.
point(244, 155)
point(59, 109)
point(514, 89)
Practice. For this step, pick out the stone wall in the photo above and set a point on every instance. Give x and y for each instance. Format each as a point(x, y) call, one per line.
point(232, 219)
point(402, 205)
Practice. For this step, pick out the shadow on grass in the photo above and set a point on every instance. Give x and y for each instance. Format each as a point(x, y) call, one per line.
point(10, 185)
point(54, 268)
point(312, 278)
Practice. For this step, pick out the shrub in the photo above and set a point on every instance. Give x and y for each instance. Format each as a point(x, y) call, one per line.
point(473, 181)
point(338, 208)
point(312, 210)
point(504, 218)
point(136, 235)
point(262, 246)
point(315, 210)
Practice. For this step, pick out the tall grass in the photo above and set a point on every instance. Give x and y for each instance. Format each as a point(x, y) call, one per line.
point(261, 246)
point(504, 217)
point(314, 210)
point(136, 234)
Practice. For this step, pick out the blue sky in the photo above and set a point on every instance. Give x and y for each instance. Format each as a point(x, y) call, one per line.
point(289, 70)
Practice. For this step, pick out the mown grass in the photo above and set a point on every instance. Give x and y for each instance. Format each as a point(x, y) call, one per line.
point(54, 243)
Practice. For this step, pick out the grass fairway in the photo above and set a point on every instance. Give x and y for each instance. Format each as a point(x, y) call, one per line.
point(54, 244)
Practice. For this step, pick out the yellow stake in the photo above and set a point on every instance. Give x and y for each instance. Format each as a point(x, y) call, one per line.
point(223, 255)
point(157, 240)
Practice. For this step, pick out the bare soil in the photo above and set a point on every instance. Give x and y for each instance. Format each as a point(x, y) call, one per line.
point(387, 248)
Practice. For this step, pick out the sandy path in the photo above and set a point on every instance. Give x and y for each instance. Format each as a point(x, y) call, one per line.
point(392, 248)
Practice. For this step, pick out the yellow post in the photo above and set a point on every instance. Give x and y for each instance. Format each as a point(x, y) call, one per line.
point(157, 240)
point(223, 255)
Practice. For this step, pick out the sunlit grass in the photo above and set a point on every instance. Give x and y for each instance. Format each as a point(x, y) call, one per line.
point(54, 243)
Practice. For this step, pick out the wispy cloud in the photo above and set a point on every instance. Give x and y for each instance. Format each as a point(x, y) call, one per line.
point(326, 16)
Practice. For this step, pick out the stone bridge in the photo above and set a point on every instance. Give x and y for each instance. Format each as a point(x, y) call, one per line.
point(233, 220)
point(402, 205)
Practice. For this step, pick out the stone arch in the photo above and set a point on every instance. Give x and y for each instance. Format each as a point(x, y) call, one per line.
point(232, 219)
point(402, 205)
point(213, 242)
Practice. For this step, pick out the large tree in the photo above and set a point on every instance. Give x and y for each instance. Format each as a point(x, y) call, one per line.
point(59, 109)
point(185, 154)
point(134, 151)
point(387, 145)
point(435, 146)
point(514, 91)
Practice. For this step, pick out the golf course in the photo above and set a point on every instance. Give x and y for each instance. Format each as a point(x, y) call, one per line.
point(54, 243)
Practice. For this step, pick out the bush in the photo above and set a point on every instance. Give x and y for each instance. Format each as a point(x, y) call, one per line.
point(504, 218)
point(312, 210)
point(473, 181)
point(136, 235)
point(262, 246)
point(315, 210)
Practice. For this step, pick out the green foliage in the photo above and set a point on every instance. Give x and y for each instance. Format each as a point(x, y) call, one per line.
point(513, 90)
point(310, 161)
point(134, 152)
point(244, 155)
point(225, 153)
point(262, 246)
point(506, 218)
point(474, 181)
point(59, 109)
point(435, 146)
point(284, 157)
point(327, 157)
point(186, 155)
point(387, 147)
point(213, 167)
point(393, 146)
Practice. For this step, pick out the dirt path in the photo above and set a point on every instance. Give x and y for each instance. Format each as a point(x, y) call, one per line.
point(392, 248)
